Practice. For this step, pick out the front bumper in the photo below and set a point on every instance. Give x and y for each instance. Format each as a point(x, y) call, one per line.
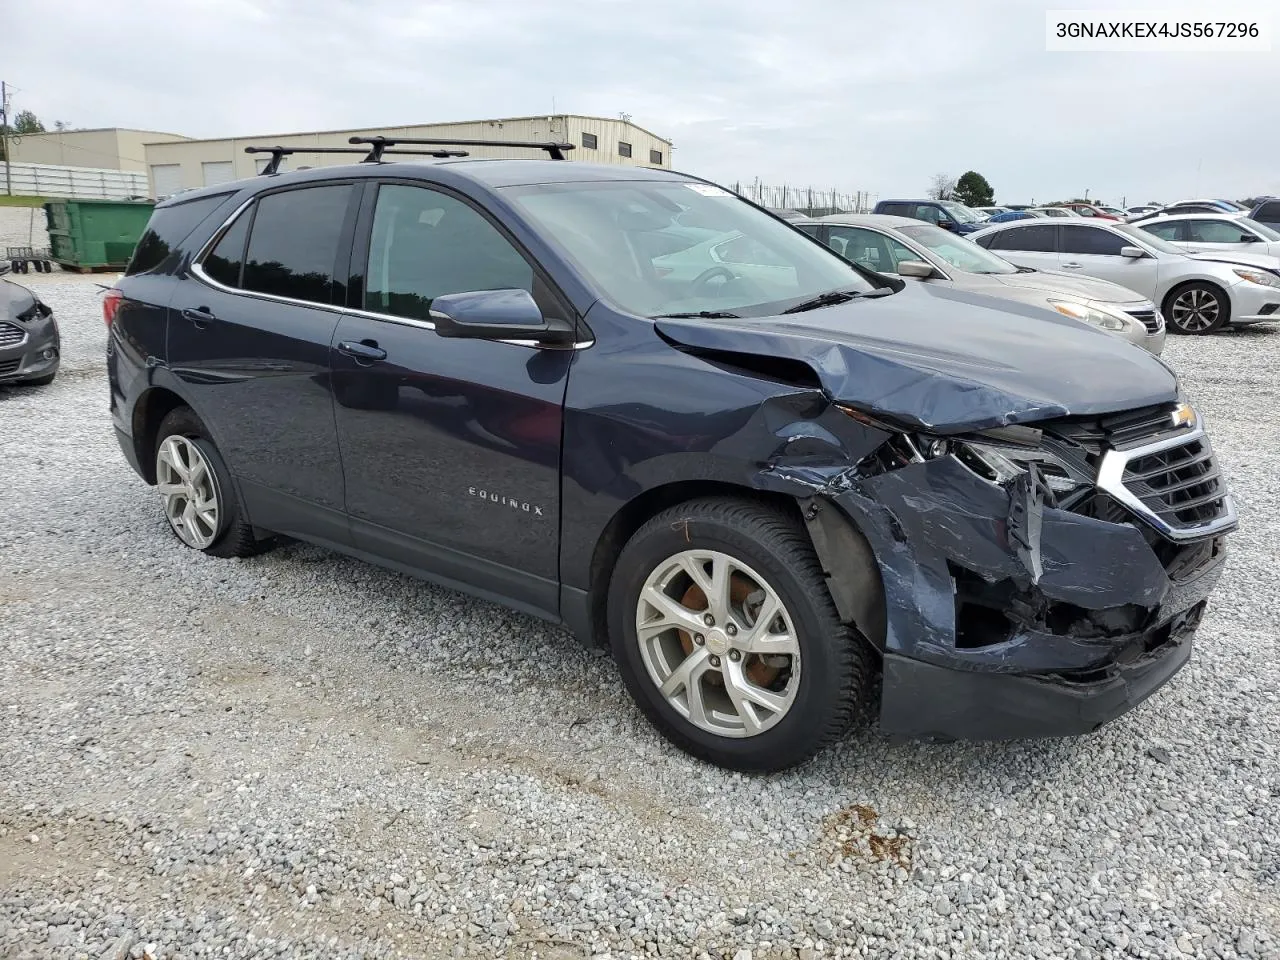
point(1254, 303)
point(37, 356)
point(1000, 627)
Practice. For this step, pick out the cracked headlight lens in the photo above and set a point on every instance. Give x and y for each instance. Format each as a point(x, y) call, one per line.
point(1002, 464)
point(1103, 319)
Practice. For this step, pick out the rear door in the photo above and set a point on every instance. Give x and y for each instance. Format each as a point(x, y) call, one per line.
point(451, 447)
point(249, 339)
point(1095, 252)
point(1034, 245)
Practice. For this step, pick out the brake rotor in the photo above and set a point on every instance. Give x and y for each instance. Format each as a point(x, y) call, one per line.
point(756, 669)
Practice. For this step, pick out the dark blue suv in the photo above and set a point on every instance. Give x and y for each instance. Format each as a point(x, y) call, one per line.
point(631, 402)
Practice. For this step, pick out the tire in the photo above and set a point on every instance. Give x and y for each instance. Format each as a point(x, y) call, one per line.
point(824, 685)
point(230, 535)
point(1199, 316)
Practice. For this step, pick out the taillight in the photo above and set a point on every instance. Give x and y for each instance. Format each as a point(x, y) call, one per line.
point(111, 301)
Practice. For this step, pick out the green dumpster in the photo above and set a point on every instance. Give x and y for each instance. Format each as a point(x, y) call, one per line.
point(95, 234)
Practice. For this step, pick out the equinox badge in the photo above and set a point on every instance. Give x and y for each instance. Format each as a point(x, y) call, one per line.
point(523, 505)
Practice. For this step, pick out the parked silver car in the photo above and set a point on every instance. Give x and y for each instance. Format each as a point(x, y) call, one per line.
point(922, 251)
point(1196, 292)
point(1055, 212)
point(1215, 233)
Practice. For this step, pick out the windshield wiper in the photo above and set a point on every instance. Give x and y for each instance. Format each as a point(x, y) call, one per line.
point(828, 299)
point(699, 315)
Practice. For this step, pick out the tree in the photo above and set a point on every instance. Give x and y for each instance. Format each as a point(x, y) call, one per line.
point(973, 190)
point(27, 122)
point(941, 185)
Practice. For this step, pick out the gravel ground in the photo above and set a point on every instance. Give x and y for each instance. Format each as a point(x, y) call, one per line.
point(301, 755)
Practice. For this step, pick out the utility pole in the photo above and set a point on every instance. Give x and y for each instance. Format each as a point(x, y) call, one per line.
point(4, 136)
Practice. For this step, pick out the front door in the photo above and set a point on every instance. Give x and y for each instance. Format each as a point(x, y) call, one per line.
point(1091, 251)
point(451, 447)
point(249, 339)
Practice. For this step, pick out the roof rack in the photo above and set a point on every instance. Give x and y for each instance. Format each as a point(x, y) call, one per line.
point(378, 145)
point(371, 155)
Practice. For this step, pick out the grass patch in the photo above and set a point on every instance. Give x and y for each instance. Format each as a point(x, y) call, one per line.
point(8, 201)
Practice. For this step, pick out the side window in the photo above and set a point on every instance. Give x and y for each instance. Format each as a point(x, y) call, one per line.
point(426, 244)
point(1167, 231)
point(293, 243)
point(1092, 241)
point(1029, 239)
point(1269, 212)
point(812, 229)
point(869, 248)
point(226, 259)
point(895, 209)
point(929, 213)
point(168, 227)
point(1213, 231)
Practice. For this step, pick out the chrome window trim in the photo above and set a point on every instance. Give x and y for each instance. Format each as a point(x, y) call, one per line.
point(1111, 482)
point(197, 270)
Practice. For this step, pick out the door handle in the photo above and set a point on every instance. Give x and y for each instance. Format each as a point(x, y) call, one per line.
point(200, 316)
point(1071, 266)
point(362, 351)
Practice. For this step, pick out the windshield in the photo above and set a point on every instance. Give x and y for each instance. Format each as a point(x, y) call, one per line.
point(1149, 240)
point(657, 248)
point(1261, 228)
point(961, 212)
point(960, 253)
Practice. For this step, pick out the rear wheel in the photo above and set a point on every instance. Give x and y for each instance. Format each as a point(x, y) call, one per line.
point(197, 491)
point(727, 637)
point(1197, 308)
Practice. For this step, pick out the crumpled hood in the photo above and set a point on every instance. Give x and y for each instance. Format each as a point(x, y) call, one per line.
point(1051, 283)
point(1260, 260)
point(946, 360)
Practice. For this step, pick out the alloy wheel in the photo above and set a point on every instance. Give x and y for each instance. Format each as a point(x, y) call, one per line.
point(718, 642)
point(1195, 310)
point(186, 482)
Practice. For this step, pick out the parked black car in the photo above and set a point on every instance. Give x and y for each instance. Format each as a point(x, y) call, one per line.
point(756, 472)
point(30, 347)
point(1267, 211)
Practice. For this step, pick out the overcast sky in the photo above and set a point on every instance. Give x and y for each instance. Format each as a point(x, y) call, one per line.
point(855, 95)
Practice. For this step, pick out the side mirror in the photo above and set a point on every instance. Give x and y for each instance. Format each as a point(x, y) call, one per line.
point(1133, 253)
point(493, 315)
point(1249, 238)
point(947, 224)
point(916, 268)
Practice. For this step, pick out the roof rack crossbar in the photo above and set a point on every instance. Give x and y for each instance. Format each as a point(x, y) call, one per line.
point(279, 153)
point(556, 151)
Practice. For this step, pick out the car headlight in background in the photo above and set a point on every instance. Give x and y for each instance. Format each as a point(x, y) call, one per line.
point(1257, 276)
point(1103, 319)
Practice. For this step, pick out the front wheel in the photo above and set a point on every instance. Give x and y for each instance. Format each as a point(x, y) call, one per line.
point(726, 636)
point(1197, 308)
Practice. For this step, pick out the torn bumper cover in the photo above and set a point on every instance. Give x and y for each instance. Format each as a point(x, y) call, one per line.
point(1005, 618)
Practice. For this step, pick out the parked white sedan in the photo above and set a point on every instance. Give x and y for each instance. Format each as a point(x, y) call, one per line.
point(1196, 292)
point(1215, 233)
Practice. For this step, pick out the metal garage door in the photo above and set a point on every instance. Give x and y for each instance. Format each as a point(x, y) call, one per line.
point(166, 179)
point(217, 171)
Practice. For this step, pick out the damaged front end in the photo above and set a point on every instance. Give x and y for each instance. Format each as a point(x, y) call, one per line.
point(1038, 580)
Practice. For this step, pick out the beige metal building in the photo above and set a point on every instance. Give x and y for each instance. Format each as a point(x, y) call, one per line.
point(184, 164)
point(104, 148)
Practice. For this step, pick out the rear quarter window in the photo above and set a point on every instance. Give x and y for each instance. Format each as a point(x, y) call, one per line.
point(1269, 212)
point(168, 227)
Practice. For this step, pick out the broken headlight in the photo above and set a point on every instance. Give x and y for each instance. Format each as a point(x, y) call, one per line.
point(1001, 464)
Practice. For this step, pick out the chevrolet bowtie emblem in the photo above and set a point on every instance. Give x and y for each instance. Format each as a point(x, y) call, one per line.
point(1183, 416)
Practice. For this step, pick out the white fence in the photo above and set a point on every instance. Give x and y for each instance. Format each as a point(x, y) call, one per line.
point(77, 183)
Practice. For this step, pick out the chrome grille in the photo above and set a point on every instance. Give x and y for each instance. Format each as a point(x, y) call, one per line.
point(1174, 484)
point(11, 334)
point(1148, 316)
